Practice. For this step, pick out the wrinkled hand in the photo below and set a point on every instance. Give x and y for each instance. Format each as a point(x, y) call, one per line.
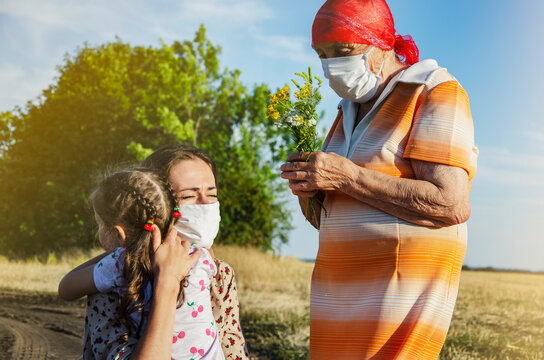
point(323, 171)
point(171, 260)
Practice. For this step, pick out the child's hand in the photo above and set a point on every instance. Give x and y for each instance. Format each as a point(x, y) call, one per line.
point(171, 260)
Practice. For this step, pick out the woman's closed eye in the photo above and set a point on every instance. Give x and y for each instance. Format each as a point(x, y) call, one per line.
point(343, 51)
point(194, 196)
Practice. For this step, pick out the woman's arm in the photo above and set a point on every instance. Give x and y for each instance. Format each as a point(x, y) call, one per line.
point(79, 281)
point(171, 263)
point(226, 311)
point(438, 197)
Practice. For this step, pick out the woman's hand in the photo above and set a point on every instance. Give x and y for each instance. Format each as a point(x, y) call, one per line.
point(171, 260)
point(323, 171)
point(171, 263)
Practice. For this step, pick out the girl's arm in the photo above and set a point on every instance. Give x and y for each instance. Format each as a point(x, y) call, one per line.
point(79, 281)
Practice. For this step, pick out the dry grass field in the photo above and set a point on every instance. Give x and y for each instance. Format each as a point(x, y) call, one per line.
point(498, 315)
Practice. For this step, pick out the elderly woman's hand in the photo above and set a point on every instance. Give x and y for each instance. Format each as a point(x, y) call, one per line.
point(438, 196)
point(323, 171)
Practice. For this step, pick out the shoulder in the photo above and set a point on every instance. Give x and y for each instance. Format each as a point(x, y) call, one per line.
point(104, 334)
point(224, 269)
point(427, 73)
point(223, 287)
point(224, 281)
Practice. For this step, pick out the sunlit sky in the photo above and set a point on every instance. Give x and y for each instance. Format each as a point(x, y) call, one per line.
point(494, 49)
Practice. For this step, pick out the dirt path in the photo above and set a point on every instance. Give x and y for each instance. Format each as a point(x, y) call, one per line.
point(40, 326)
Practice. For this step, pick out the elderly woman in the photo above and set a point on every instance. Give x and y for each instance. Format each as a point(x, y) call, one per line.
point(394, 176)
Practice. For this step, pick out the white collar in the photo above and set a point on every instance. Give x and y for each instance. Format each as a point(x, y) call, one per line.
point(419, 73)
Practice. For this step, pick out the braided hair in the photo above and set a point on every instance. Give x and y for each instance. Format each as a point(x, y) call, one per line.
point(129, 198)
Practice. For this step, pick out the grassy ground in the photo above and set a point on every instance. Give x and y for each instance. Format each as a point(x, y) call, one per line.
point(498, 315)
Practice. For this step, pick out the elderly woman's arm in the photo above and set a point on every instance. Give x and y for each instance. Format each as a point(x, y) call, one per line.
point(438, 197)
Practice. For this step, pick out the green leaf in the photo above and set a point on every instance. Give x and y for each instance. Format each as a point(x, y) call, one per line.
point(138, 150)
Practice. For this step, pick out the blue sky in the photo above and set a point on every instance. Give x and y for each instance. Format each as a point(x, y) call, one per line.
point(492, 47)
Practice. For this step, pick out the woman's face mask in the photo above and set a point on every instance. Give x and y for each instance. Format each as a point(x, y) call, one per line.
point(350, 77)
point(199, 223)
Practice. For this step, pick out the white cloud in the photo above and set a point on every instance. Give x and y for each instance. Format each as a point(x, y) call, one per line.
point(293, 48)
point(18, 86)
point(44, 30)
point(509, 177)
point(219, 12)
point(504, 167)
point(503, 156)
point(74, 16)
point(535, 132)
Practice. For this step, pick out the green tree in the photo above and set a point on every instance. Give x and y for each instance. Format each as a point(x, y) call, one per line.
point(110, 106)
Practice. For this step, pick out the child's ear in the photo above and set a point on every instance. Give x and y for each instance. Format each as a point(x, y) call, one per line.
point(121, 235)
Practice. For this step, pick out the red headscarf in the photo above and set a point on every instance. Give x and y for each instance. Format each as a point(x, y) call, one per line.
point(362, 22)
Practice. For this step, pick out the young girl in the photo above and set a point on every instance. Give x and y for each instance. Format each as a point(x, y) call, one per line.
point(129, 206)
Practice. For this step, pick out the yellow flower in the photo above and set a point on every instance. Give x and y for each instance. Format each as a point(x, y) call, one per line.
point(284, 93)
point(270, 110)
point(276, 115)
point(303, 93)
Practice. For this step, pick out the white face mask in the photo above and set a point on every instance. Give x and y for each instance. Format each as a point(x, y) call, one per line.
point(350, 77)
point(199, 223)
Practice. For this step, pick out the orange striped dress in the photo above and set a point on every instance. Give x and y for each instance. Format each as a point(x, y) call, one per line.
point(384, 288)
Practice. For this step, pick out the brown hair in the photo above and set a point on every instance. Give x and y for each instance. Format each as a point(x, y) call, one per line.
point(163, 159)
point(130, 198)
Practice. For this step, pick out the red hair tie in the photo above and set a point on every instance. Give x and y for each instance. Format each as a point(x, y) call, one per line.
point(149, 225)
point(177, 214)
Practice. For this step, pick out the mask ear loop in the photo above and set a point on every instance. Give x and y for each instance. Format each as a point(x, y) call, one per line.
point(381, 68)
point(367, 57)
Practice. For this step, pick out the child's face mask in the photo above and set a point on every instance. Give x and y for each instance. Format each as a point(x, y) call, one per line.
point(199, 223)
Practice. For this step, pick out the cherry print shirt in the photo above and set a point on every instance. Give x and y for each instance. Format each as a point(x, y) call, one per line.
point(195, 333)
point(106, 337)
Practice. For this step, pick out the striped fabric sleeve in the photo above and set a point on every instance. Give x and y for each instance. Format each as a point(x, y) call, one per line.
point(442, 129)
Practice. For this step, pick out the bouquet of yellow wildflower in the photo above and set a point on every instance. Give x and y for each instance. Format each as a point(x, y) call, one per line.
point(299, 115)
